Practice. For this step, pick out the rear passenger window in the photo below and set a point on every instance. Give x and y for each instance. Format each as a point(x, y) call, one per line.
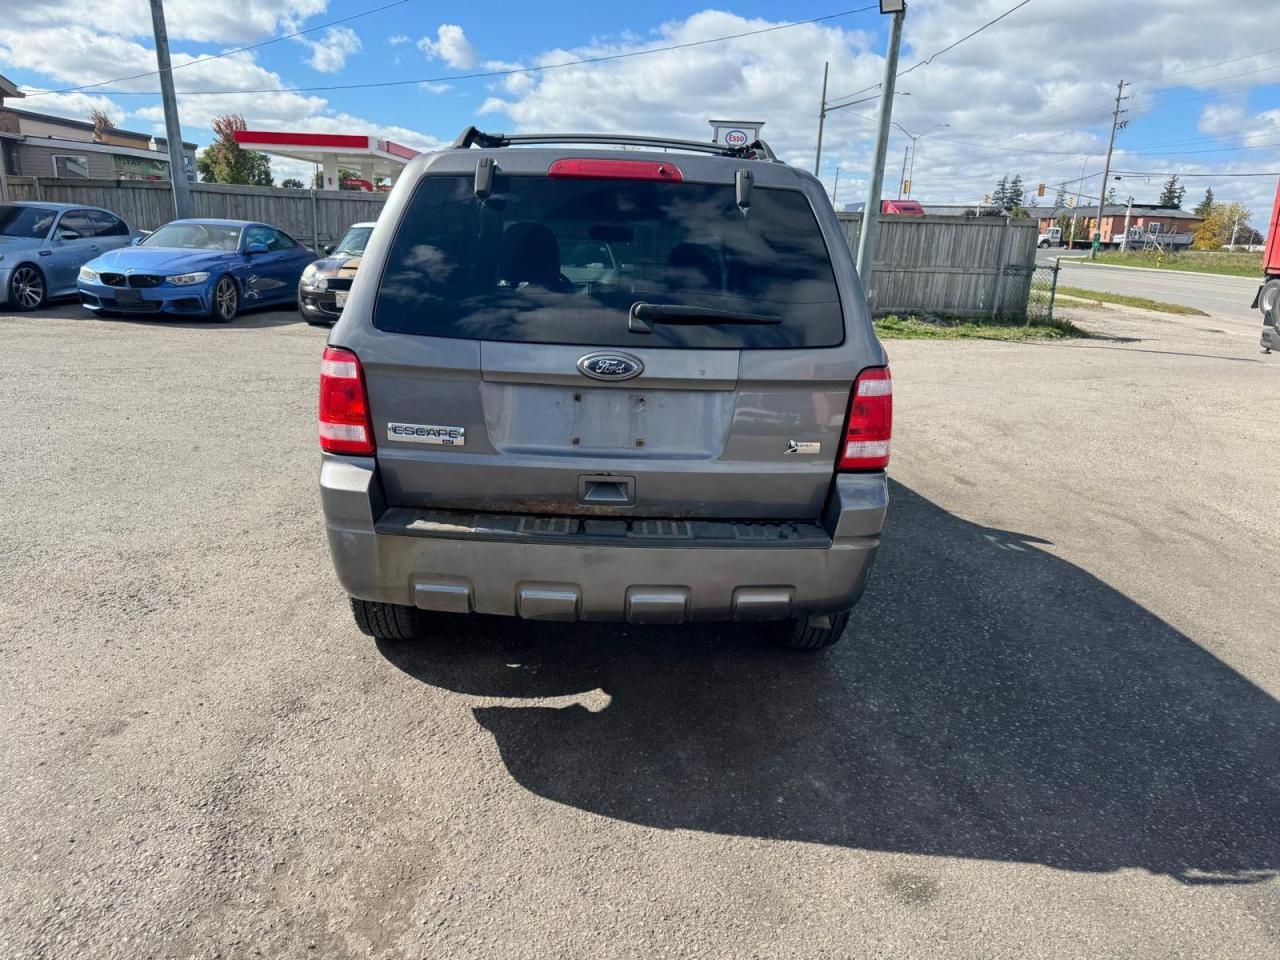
point(563, 260)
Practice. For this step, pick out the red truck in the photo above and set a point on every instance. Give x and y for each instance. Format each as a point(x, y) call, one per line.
point(1268, 297)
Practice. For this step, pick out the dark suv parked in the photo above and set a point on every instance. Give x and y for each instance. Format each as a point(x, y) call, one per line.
point(691, 422)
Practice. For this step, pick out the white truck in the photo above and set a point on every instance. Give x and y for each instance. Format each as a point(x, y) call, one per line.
point(1050, 238)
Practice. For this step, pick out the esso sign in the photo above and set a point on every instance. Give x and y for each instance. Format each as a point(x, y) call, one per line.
point(735, 138)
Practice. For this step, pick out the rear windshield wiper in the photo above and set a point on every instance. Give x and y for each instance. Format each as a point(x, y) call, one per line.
point(644, 315)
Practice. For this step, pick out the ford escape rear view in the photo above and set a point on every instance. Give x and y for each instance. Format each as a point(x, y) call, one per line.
point(574, 383)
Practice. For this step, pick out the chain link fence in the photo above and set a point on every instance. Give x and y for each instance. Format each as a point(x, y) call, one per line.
point(1041, 294)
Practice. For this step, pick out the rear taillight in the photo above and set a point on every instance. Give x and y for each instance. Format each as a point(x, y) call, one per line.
point(344, 405)
point(866, 439)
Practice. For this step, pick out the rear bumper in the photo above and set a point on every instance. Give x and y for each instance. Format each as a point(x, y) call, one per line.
point(569, 569)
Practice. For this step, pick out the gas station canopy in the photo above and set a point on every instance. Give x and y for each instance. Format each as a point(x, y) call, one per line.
point(372, 157)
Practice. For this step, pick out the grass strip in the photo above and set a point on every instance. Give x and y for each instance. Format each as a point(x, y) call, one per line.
point(1159, 306)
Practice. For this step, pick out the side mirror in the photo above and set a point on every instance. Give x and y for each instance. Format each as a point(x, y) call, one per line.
point(135, 241)
point(326, 248)
point(68, 235)
point(256, 248)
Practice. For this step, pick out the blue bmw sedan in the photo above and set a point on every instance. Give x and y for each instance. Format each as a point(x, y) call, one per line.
point(212, 268)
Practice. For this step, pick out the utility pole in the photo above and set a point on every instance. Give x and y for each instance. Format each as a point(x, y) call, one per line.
point(902, 184)
point(1116, 124)
point(835, 192)
point(910, 174)
point(173, 129)
point(1128, 213)
point(1234, 228)
point(822, 118)
point(871, 215)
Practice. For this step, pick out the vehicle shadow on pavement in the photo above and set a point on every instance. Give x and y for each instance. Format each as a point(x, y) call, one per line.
point(993, 701)
point(252, 318)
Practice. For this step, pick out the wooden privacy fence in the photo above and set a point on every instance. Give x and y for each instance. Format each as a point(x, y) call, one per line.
point(313, 217)
point(949, 266)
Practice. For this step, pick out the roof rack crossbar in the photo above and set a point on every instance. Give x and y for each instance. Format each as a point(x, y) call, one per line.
point(471, 137)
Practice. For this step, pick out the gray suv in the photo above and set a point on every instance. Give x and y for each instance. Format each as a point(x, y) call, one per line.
point(696, 430)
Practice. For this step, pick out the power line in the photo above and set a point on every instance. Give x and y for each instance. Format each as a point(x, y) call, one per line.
point(219, 56)
point(1227, 175)
point(510, 71)
point(933, 56)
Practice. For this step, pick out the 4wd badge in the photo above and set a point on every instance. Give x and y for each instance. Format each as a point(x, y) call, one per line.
point(423, 433)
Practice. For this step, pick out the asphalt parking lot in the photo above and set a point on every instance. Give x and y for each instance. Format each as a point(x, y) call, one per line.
point(1054, 732)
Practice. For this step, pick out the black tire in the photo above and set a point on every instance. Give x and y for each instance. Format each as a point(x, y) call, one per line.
point(27, 288)
point(1269, 303)
point(814, 633)
point(226, 300)
point(1043, 246)
point(387, 621)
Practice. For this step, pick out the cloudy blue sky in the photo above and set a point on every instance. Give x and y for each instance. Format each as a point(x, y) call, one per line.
point(1030, 95)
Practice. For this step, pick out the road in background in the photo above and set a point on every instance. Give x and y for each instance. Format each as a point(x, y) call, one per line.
point(1225, 298)
point(1052, 732)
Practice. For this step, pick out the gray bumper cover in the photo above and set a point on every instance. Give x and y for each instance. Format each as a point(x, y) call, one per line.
point(598, 578)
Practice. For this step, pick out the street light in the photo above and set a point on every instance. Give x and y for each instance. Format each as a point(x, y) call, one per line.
point(826, 107)
point(909, 177)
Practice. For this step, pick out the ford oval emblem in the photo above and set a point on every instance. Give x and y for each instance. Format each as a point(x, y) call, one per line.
point(610, 366)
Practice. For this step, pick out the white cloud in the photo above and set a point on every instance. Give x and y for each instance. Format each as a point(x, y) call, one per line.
point(1012, 107)
point(200, 20)
point(77, 106)
point(329, 53)
point(450, 45)
point(398, 40)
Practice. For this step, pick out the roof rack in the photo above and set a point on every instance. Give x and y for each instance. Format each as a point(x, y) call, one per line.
point(471, 137)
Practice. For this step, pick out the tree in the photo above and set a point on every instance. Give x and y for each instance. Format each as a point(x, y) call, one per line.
point(223, 161)
point(1215, 230)
point(101, 122)
point(1017, 196)
point(1172, 194)
point(1000, 196)
point(1060, 198)
point(1111, 195)
point(1204, 206)
point(292, 182)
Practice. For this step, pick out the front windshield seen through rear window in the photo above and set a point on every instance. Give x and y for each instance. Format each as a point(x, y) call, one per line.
point(196, 236)
point(354, 241)
point(25, 223)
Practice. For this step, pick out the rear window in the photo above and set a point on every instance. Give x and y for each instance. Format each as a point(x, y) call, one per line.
point(562, 261)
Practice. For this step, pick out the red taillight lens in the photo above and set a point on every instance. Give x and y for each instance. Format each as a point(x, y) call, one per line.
point(866, 440)
point(616, 170)
point(344, 407)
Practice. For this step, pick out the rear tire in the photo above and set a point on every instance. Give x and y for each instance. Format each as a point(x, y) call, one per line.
point(1269, 303)
point(388, 621)
point(814, 633)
